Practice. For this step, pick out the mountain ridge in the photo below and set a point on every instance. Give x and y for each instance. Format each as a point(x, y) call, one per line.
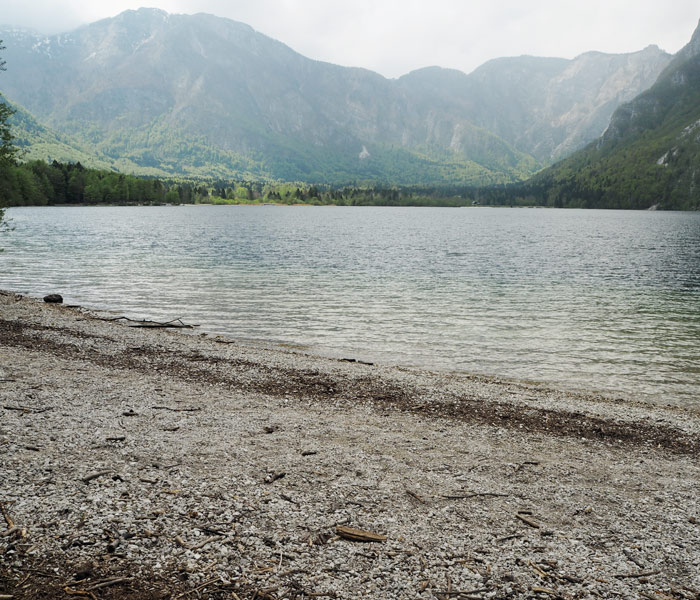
point(649, 153)
point(203, 95)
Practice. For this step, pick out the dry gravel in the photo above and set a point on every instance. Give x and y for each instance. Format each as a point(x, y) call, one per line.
point(144, 463)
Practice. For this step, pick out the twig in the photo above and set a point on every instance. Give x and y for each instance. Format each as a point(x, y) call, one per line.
point(412, 494)
point(6, 516)
point(83, 593)
point(572, 578)
point(40, 573)
point(637, 575)
point(537, 569)
point(176, 409)
point(204, 543)
point(358, 535)
point(165, 468)
point(473, 495)
point(89, 478)
point(460, 593)
point(527, 462)
point(199, 587)
point(26, 409)
point(527, 521)
point(176, 323)
point(509, 537)
point(109, 583)
point(272, 477)
point(11, 531)
point(147, 323)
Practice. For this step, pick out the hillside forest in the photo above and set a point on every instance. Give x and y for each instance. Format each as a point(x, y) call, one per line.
point(40, 183)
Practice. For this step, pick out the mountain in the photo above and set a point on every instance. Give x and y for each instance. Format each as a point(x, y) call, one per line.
point(206, 96)
point(552, 107)
point(650, 153)
point(36, 141)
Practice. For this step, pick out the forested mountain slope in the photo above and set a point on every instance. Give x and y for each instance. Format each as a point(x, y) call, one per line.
point(204, 96)
point(650, 153)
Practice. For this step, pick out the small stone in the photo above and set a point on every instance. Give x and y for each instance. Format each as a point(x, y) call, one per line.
point(84, 571)
point(54, 299)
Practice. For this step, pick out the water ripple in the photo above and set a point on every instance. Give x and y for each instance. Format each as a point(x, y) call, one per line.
point(596, 300)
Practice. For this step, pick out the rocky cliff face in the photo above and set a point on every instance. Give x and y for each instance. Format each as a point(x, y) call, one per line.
point(183, 92)
point(648, 156)
point(551, 107)
point(676, 86)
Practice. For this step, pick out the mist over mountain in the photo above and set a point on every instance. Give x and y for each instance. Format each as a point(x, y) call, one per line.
point(650, 153)
point(207, 96)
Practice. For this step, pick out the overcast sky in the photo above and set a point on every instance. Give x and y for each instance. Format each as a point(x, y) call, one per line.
point(394, 37)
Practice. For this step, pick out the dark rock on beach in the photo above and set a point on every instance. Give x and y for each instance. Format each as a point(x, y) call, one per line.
point(54, 299)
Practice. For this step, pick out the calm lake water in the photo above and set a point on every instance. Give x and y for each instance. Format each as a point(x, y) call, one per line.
point(603, 301)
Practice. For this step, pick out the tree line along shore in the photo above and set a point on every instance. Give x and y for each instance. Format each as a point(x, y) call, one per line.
point(40, 183)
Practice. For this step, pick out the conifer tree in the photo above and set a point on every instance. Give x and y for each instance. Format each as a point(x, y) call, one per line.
point(7, 148)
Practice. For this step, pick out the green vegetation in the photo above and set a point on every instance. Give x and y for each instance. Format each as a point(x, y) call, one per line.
point(38, 183)
point(650, 155)
point(7, 148)
point(161, 150)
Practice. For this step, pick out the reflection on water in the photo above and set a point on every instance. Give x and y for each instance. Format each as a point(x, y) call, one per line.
point(596, 300)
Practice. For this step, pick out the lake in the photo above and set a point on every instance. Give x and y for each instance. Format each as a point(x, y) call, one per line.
point(601, 301)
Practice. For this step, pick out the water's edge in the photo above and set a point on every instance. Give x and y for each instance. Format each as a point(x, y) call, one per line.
point(599, 301)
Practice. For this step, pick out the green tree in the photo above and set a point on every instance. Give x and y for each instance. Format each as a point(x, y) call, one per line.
point(7, 148)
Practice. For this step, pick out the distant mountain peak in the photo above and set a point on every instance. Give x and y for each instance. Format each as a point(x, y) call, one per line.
point(649, 153)
point(693, 47)
point(144, 12)
point(200, 94)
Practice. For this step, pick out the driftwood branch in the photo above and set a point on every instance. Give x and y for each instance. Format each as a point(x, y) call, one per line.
point(358, 535)
point(89, 478)
point(26, 409)
point(528, 521)
point(108, 583)
point(474, 495)
point(637, 575)
point(272, 477)
point(6, 516)
point(175, 323)
point(415, 496)
point(449, 593)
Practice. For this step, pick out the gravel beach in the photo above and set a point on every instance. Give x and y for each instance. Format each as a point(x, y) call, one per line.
point(141, 462)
